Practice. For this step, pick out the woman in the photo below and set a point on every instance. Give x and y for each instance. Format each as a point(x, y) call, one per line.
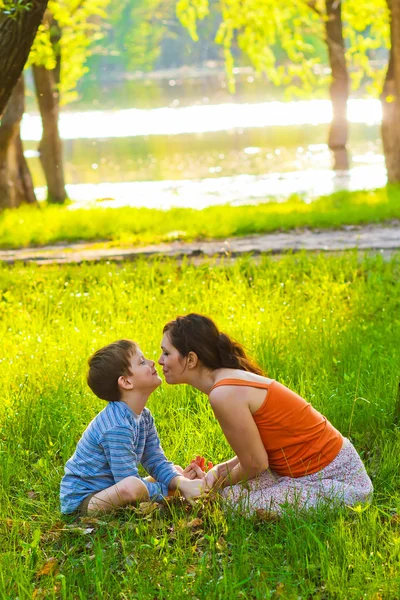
point(286, 451)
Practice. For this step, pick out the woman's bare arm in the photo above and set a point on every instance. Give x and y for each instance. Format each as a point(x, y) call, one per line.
point(241, 431)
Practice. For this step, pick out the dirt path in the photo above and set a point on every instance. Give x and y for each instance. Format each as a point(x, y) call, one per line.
point(369, 237)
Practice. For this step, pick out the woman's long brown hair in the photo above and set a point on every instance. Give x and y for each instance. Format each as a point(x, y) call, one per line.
point(215, 350)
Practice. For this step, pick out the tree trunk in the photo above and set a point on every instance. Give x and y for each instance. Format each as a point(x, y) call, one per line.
point(16, 185)
point(17, 32)
point(50, 147)
point(339, 89)
point(390, 99)
point(389, 138)
point(22, 176)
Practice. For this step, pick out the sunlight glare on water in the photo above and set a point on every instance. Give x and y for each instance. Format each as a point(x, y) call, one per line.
point(199, 119)
point(239, 189)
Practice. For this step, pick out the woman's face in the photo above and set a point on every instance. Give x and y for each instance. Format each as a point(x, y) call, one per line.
point(173, 364)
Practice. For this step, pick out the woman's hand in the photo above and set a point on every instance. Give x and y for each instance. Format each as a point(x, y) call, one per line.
point(216, 476)
point(211, 478)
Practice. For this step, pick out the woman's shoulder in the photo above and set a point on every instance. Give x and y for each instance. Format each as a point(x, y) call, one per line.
point(235, 383)
point(236, 377)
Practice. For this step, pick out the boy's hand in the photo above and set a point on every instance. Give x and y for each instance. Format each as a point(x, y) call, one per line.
point(201, 462)
point(193, 471)
point(192, 489)
point(197, 468)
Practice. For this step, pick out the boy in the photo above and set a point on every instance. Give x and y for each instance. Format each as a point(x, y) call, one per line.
point(102, 473)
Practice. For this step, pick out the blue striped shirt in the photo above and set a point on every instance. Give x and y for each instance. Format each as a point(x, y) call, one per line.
point(110, 449)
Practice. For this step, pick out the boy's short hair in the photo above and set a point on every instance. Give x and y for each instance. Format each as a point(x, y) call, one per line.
point(107, 365)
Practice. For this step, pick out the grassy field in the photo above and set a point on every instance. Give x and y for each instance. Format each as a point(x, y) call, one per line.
point(129, 226)
point(329, 327)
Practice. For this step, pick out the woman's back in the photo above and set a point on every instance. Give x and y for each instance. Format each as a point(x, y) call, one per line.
point(299, 440)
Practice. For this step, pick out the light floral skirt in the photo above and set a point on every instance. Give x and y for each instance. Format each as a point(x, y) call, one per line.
point(343, 481)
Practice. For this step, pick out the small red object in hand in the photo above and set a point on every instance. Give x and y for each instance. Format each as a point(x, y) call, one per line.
point(201, 462)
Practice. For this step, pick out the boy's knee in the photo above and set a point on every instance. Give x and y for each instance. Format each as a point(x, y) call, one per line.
point(133, 489)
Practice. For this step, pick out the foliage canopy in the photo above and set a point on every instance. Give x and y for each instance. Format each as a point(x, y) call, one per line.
point(80, 25)
point(261, 29)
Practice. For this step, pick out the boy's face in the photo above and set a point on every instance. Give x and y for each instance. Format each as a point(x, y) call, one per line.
point(144, 375)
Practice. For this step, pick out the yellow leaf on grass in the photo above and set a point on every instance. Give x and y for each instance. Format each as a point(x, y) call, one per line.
point(49, 567)
point(395, 520)
point(92, 521)
point(266, 515)
point(279, 590)
point(146, 508)
point(194, 523)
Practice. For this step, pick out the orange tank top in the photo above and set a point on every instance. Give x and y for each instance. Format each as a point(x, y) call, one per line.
point(299, 440)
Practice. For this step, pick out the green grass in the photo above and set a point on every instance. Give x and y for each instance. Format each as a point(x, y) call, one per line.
point(129, 226)
point(327, 326)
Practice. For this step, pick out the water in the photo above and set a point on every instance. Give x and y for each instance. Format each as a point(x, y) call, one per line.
point(199, 119)
point(239, 189)
point(204, 154)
